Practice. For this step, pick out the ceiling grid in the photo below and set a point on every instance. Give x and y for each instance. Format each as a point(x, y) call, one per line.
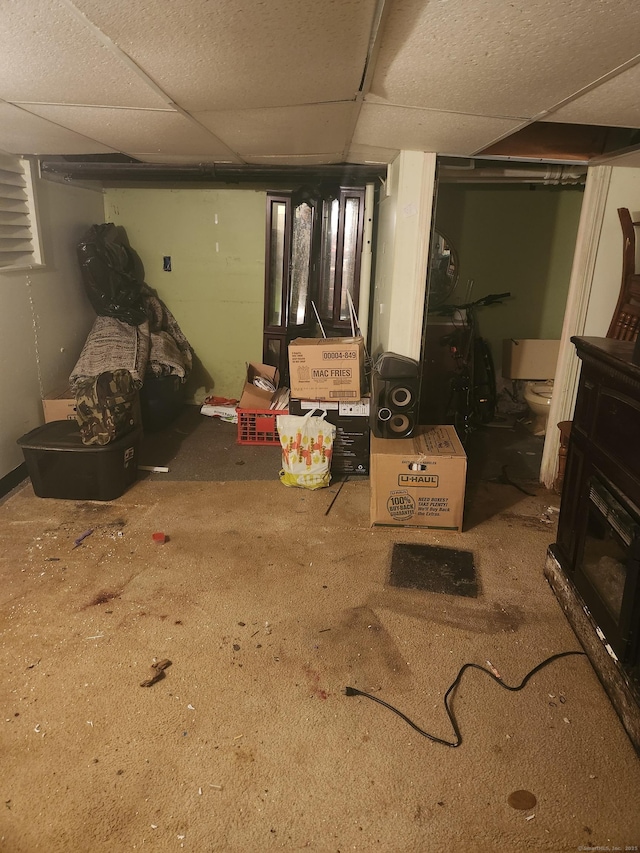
point(285, 83)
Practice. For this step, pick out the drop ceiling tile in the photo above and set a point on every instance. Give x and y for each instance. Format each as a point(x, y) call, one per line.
point(371, 154)
point(427, 130)
point(48, 56)
point(500, 59)
point(278, 131)
point(613, 104)
point(22, 132)
point(218, 55)
point(161, 131)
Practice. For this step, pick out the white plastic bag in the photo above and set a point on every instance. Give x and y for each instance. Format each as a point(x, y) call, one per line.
point(307, 447)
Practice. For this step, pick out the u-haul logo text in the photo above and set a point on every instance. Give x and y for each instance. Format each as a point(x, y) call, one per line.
point(424, 481)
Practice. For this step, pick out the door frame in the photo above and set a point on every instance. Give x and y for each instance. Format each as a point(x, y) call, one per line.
point(592, 214)
point(582, 272)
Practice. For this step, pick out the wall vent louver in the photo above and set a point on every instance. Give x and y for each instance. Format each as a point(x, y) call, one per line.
point(19, 239)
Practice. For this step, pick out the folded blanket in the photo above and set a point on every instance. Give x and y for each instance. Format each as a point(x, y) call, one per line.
point(170, 351)
point(165, 357)
point(157, 346)
point(113, 345)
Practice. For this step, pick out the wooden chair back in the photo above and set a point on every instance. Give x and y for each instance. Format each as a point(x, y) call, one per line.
point(625, 322)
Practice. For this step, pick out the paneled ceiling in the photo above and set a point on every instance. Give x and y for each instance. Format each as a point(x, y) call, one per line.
point(307, 82)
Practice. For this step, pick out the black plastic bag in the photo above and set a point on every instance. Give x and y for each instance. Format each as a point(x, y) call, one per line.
point(109, 274)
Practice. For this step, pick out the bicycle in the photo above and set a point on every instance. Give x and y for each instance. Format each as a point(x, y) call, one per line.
point(472, 396)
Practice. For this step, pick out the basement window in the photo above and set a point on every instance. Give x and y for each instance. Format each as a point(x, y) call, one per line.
point(19, 234)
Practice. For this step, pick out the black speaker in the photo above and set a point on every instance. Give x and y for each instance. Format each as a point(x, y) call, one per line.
point(394, 396)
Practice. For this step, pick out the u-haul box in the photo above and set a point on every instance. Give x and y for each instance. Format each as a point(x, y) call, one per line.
point(419, 481)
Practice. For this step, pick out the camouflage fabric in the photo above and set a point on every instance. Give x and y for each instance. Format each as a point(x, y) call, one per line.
point(105, 406)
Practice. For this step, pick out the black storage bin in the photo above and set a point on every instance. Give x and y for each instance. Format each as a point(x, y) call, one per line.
point(61, 466)
point(161, 401)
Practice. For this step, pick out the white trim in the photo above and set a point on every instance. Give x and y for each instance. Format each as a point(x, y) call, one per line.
point(584, 261)
point(413, 202)
point(425, 212)
point(402, 250)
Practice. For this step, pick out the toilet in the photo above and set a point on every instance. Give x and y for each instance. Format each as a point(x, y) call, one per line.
point(537, 396)
point(533, 361)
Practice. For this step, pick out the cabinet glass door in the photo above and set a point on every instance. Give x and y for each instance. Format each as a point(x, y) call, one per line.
point(278, 262)
point(340, 255)
point(301, 263)
point(314, 245)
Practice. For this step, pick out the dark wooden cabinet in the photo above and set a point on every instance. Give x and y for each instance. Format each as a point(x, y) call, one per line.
point(598, 541)
point(314, 245)
point(594, 565)
point(567, 541)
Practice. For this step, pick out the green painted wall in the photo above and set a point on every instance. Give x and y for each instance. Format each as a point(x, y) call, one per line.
point(517, 239)
point(216, 240)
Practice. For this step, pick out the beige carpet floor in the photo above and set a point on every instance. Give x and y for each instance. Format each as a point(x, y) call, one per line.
point(267, 608)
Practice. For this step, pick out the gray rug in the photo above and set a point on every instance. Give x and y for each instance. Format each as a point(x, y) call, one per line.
point(197, 447)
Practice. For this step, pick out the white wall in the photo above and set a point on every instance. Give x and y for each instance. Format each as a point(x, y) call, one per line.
point(624, 191)
point(593, 290)
point(404, 226)
point(44, 316)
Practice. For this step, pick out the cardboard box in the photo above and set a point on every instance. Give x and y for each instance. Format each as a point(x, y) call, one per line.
point(351, 447)
point(336, 410)
point(327, 368)
point(257, 420)
point(419, 481)
point(529, 358)
point(254, 397)
point(351, 420)
point(62, 407)
point(59, 407)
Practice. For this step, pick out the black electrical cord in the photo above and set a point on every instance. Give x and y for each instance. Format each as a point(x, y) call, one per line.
point(353, 691)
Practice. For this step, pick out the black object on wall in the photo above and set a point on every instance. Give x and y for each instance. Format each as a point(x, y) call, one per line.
point(109, 274)
point(394, 396)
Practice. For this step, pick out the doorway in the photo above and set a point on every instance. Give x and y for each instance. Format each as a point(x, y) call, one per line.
point(511, 228)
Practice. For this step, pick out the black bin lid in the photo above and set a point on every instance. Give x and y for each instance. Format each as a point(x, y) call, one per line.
point(65, 435)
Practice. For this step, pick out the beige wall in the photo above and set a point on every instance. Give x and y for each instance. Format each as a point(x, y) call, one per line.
point(403, 228)
point(44, 316)
point(593, 290)
point(216, 240)
point(624, 191)
point(383, 279)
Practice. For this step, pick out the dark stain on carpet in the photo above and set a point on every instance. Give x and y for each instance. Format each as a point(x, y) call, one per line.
point(431, 568)
point(103, 597)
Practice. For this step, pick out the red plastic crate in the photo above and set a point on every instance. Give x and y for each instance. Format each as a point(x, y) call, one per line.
point(258, 426)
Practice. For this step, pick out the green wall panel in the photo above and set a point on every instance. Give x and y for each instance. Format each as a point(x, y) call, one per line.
point(216, 241)
point(518, 239)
